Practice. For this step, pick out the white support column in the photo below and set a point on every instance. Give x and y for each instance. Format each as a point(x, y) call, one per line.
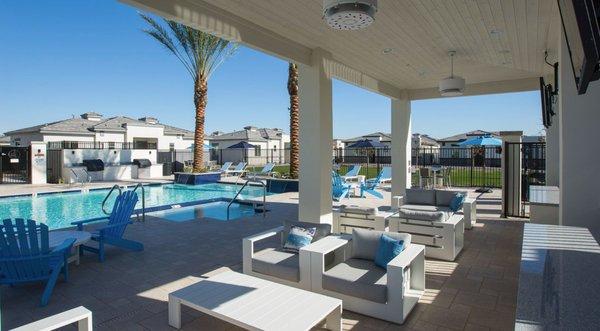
point(37, 162)
point(316, 138)
point(579, 157)
point(553, 150)
point(401, 140)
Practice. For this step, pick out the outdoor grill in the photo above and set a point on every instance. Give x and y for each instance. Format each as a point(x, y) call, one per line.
point(94, 165)
point(142, 163)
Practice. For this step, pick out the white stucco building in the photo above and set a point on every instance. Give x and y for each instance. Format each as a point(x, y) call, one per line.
point(269, 145)
point(92, 127)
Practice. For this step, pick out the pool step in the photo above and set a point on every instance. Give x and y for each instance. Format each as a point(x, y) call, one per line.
point(256, 205)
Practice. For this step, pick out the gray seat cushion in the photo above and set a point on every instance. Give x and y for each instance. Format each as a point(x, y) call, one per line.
point(277, 263)
point(358, 210)
point(443, 197)
point(415, 196)
point(425, 213)
point(365, 242)
point(322, 230)
point(358, 278)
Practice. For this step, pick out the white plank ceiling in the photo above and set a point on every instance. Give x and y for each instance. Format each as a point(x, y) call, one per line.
point(495, 40)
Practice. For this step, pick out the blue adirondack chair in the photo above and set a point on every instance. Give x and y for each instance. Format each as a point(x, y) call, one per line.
point(25, 255)
point(112, 232)
point(340, 189)
point(370, 185)
point(352, 173)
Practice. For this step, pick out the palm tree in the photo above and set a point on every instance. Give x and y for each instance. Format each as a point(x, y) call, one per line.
point(200, 53)
point(294, 119)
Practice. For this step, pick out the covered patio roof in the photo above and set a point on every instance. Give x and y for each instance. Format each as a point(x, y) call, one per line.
point(499, 44)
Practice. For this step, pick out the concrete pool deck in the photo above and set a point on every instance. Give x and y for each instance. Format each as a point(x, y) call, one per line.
point(129, 290)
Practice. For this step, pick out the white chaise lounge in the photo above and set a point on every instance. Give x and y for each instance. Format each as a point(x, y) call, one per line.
point(276, 264)
point(388, 294)
point(426, 215)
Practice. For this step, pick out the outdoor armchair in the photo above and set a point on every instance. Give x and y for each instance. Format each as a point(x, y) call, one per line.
point(275, 263)
point(388, 294)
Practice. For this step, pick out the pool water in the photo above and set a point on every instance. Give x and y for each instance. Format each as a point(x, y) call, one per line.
point(60, 209)
point(216, 210)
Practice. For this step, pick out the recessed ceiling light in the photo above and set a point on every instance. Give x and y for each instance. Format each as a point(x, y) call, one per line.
point(496, 32)
point(387, 50)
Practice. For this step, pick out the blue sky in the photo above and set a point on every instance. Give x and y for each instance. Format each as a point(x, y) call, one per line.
point(62, 58)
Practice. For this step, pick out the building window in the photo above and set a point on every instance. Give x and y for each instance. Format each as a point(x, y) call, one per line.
point(256, 150)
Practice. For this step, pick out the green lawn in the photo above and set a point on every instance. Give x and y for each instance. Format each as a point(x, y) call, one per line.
point(460, 176)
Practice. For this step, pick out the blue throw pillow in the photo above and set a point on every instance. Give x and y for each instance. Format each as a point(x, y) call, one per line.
point(457, 202)
point(298, 237)
point(388, 249)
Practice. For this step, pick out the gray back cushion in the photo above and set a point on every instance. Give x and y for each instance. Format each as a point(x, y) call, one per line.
point(443, 197)
point(419, 196)
point(323, 230)
point(352, 209)
point(366, 242)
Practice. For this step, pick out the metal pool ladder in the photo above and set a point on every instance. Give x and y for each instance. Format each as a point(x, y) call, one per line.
point(117, 187)
point(253, 180)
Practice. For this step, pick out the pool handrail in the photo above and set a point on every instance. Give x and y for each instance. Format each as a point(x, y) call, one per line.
point(253, 180)
point(140, 185)
point(108, 195)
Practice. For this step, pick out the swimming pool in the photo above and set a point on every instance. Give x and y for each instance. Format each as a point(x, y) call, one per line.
point(216, 210)
point(58, 210)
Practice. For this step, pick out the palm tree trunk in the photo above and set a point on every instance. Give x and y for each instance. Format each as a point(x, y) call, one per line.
point(294, 120)
point(200, 99)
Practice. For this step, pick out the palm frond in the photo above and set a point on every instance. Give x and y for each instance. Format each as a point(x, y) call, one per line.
point(201, 53)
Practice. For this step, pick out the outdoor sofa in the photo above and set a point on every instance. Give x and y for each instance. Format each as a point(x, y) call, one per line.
point(385, 293)
point(426, 214)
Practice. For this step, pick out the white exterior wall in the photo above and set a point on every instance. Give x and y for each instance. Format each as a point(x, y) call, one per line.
point(579, 118)
point(134, 131)
point(180, 142)
point(110, 137)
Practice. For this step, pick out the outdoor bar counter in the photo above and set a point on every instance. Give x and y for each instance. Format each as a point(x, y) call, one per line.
point(559, 283)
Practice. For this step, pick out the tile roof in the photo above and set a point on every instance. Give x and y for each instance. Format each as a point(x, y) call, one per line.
point(256, 135)
point(464, 136)
point(86, 126)
point(382, 135)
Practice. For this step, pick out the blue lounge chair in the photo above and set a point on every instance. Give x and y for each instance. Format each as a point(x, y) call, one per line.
point(370, 185)
point(225, 167)
point(352, 173)
point(25, 255)
point(340, 189)
point(112, 232)
point(238, 170)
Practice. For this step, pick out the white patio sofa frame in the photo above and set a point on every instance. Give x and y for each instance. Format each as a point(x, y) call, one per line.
point(442, 240)
point(405, 279)
point(80, 315)
point(248, 254)
point(347, 218)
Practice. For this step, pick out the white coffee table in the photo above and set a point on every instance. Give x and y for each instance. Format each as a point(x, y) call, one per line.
point(256, 304)
point(56, 238)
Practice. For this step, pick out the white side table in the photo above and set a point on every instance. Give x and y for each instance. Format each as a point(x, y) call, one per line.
point(56, 238)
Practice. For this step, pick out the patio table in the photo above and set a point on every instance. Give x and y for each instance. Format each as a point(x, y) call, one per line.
point(56, 238)
point(256, 304)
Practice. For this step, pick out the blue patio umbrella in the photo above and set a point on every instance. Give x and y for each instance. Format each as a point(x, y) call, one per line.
point(366, 143)
point(481, 141)
point(242, 144)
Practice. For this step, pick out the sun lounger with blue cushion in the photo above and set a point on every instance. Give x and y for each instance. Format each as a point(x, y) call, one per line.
point(352, 174)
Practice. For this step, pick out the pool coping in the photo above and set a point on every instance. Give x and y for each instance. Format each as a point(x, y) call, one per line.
point(83, 189)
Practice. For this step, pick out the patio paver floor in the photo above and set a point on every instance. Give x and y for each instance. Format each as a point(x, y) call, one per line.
point(129, 290)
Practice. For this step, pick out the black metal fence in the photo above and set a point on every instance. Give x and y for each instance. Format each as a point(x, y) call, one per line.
point(14, 165)
point(56, 145)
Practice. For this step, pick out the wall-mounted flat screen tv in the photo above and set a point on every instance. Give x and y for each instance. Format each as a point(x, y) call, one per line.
point(547, 95)
point(580, 21)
